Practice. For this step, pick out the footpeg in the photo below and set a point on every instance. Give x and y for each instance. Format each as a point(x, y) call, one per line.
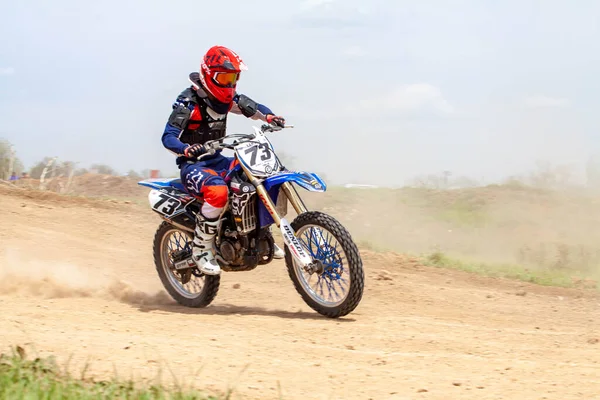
point(182, 259)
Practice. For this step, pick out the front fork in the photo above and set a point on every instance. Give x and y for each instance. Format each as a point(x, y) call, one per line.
point(289, 237)
point(292, 195)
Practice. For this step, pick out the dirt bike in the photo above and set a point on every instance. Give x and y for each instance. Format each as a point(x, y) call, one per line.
point(322, 260)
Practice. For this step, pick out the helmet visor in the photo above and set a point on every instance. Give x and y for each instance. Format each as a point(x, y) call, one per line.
point(226, 79)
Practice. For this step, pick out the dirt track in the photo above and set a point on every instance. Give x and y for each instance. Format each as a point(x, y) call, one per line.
point(78, 280)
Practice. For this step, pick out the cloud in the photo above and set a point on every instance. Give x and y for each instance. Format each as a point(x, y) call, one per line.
point(331, 14)
point(7, 71)
point(539, 101)
point(354, 51)
point(413, 98)
point(310, 4)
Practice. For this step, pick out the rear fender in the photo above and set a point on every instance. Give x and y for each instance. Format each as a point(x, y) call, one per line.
point(163, 184)
point(169, 203)
point(169, 199)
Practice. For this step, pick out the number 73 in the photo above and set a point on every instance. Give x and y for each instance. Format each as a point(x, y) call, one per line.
point(265, 153)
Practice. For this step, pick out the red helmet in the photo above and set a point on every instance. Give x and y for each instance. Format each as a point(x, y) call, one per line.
point(219, 73)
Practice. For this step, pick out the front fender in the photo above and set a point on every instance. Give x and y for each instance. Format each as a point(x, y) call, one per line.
point(308, 180)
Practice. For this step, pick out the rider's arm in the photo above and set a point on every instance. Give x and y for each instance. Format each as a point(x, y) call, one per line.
point(178, 121)
point(261, 110)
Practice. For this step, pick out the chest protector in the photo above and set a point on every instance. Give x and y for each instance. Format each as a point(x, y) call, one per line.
point(204, 124)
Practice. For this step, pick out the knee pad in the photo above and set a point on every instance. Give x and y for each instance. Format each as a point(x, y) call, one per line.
point(215, 198)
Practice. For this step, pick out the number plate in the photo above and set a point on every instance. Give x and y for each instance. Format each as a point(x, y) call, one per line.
point(258, 157)
point(164, 203)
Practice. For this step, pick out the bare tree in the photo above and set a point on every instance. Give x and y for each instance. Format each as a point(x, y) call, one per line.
point(70, 179)
point(45, 171)
point(9, 162)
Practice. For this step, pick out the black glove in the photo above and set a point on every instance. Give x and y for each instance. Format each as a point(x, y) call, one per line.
point(275, 120)
point(193, 151)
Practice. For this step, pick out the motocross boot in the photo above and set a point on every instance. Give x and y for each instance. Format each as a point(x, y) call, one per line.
point(278, 253)
point(202, 249)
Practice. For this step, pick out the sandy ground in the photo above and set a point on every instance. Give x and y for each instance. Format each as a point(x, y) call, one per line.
point(77, 280)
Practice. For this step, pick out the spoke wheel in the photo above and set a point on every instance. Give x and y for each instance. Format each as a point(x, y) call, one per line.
point(188, 287)
point(330, 285)
point(336, 288)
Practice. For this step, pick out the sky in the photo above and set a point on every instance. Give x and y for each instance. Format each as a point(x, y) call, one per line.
point(380, 92)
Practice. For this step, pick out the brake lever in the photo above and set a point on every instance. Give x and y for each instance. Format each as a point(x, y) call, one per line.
point(210, 152)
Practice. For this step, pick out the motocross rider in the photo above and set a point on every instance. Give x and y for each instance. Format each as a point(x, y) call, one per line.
point(200, 114)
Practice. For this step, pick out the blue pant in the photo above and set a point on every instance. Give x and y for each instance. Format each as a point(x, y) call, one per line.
point(204, 181)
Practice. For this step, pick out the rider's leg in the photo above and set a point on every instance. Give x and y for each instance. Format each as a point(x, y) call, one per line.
point(206, 184)
point(278, 252)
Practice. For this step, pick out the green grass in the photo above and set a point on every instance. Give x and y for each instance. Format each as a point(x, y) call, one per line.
point(462, 216)
point(540, 276)
point(372, 246)
point(42, 379)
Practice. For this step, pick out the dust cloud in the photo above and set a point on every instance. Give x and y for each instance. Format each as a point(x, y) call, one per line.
point(522, 225)
point(20, 275)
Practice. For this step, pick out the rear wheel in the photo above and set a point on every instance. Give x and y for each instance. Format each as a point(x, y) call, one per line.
point(337, 287)
point(189, 287)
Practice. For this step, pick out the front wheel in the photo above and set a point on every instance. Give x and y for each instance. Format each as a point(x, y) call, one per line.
point(188, 287)
point(335, 289)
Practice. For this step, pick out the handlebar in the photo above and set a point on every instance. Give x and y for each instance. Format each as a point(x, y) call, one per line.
point(273, 128)
point(212, 146)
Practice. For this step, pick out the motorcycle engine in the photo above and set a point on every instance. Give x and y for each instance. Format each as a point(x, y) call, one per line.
point(231, 251)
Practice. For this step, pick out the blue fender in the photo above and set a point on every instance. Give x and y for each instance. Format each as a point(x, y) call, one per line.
point(308, 180)
point(163, 184)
